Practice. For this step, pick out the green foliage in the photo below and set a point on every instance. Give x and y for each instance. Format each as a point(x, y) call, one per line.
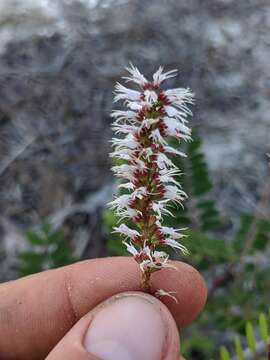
point(197, 344)
point(224, 354)
point(250, 341)
point(263, 325)
point(250, 337)
point(238, 348)
point(47, 249)
point(201, 210)
point(114, 243)
point(201, 185)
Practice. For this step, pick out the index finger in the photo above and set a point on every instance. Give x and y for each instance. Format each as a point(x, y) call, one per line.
point(37, 311)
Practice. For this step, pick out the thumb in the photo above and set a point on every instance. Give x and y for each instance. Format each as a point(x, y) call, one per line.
point(128, 326)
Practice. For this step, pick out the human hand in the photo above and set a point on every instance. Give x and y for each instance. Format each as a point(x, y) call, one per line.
point(93, 310)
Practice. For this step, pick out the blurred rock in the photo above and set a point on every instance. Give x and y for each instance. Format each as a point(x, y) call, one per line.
point(58, 64)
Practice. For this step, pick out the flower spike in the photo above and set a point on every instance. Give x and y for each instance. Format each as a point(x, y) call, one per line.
point(146, 170)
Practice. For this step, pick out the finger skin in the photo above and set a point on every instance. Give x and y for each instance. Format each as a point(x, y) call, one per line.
point(38, 310)
point(71, 346)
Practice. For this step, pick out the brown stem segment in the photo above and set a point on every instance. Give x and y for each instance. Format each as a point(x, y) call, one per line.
point(145, 282)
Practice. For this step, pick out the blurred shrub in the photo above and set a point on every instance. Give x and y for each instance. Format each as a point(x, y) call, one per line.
point(47, 249)
point(252, 346)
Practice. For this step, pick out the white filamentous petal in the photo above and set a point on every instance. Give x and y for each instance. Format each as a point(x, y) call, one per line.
point(127, 185)
point(157, 137)
point(174, 127)
point(123, 171)
point(173, 233)
point(125, 230)
point(160, 76)
point(150, 97)
point(120, 202)
point(160, 293)
point(133, 105)
point(148, 122)
point(174, 193)
point(127, 213)
point(124, 93)
point(131, 249)
point(139, 192)
point(173, 151)
point(179, 114)
point(128, 142)
point(164, 162)
point(176, 245)
point(121, 117)
point(160, 209)
point(136, 76)
point(180, 96)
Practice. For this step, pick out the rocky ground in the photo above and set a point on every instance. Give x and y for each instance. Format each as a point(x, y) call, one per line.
point(58, 64)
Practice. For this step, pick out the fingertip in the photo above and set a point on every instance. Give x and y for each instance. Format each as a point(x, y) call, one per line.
point(120, 274)
point(128, 326)
point(189, 289)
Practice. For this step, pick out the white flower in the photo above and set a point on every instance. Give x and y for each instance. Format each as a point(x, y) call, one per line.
point(160, 76)
point(125, 230)
point(160, 208)
point(174, 193)
point(134, 105)
point(157, 137)
point(179, 96)
point(124, 116)
point(128, 185)
point(131, 248)
point(150, 97)
point(128, 213)
point(139, 192)
point(124, 154)
point(146, 152)
point(120, 202)
point(122, 128)
point(124, 171)
point(153, 260)
point(124, 93)
point(173, 151)
point(148, 122)
point(174, 244)
point(136, 76)
point(171, 111)
point(164, 162)
point(173, 233)
point(176, 128)
point(160, 293)
point(128, 142)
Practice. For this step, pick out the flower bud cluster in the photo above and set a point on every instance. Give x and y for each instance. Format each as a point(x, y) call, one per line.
point(153, 115)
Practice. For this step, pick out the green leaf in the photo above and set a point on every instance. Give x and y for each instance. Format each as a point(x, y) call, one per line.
point(109, 218)
point(34, 238)
point(48, 247)
point(116, 247)
point(46, 228)
point(263, 325)
point(245, 224)
point(200, 243)
point(31, 263)
point(250, 337)
point(224, 354)
point(238, 348)
point(196, 343)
